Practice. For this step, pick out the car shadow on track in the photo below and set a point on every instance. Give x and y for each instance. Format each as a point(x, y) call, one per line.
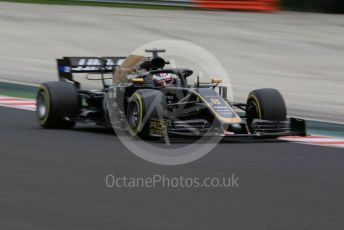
point(176, 139)
point(96, 130)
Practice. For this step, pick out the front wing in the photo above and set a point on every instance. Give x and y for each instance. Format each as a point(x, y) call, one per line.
point(260, 128)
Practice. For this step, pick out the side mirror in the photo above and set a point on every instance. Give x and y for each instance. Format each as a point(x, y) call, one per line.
point(216, 81)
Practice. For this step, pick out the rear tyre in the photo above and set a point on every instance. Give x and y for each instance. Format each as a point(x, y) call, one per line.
point(265, 104)
point(144, 105)
point(57, 102)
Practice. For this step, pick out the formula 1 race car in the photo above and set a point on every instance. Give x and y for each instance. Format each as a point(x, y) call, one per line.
point(148, 100)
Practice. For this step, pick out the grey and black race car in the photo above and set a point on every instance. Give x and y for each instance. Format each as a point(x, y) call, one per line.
point(149, 100)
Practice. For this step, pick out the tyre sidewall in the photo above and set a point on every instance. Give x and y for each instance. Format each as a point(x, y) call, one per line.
point(61, 101)
point(150, 101)
point(270, 104)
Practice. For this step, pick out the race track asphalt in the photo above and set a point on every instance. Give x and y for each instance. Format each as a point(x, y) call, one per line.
point(55, 179)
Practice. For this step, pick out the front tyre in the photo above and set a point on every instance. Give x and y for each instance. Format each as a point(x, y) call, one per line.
point(56, 102)
point(143, 105)
point(265, 104)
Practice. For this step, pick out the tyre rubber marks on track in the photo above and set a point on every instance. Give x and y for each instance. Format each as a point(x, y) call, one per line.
point(30, 104)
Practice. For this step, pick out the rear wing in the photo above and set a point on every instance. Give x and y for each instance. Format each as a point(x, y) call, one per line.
point(67, 66)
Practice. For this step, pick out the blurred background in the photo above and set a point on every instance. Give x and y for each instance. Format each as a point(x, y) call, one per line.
point(333, 6)
point(260, 43)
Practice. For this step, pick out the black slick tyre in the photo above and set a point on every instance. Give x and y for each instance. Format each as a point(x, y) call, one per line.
point(57, 102)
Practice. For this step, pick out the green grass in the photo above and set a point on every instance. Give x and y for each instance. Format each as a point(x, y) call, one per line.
point(19, 94)
point(120, 5)
point(325, 128)
point(16, 90)
point(328, 6)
